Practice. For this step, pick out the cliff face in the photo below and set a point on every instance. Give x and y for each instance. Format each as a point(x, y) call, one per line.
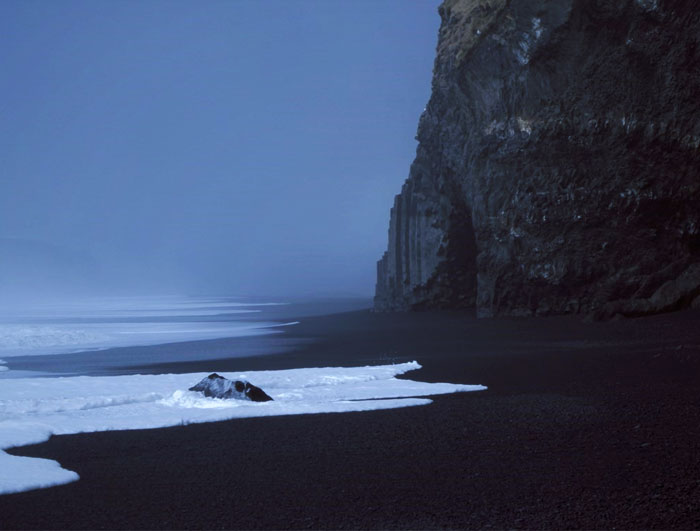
point(558, 165)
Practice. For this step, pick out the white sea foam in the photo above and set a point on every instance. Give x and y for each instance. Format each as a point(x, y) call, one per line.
point(32, 340)
point(18, 338)
point(95, 324)
point(32, 409)
point(120, 307)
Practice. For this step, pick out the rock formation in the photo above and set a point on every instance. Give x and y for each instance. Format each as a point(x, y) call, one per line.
point(558, 164)
point(215, 386)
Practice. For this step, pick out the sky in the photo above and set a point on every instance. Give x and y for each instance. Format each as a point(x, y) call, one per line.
point(219, 147)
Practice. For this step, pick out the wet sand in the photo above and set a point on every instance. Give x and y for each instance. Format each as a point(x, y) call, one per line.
point(584, 425)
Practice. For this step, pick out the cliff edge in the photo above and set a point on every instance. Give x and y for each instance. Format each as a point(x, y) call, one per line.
point(558, 163)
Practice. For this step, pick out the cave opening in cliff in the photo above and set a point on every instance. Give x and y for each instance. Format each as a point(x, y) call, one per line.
point(461, 258)
point(453, 283)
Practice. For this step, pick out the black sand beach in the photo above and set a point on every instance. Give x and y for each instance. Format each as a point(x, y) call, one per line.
point(584, 425)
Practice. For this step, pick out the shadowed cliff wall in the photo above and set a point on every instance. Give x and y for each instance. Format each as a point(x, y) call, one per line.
point(558, 165)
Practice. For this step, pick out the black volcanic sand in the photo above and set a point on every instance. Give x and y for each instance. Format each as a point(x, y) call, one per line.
point(583, 426)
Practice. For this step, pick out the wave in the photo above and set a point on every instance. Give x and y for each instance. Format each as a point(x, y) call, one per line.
point(32, 409)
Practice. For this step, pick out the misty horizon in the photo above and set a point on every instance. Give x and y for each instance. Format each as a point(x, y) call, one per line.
point(238, 148)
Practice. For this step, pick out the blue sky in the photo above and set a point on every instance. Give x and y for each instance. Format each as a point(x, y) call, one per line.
point(237, 147)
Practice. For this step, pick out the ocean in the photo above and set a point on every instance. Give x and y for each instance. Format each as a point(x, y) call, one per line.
point(78, 367)
point(94, 336)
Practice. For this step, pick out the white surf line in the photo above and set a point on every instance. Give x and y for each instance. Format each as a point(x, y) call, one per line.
point(31, 340)
point(291, 323)
point(33, 409)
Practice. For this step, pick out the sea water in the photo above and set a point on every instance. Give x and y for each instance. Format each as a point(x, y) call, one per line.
point(96, 324)
point(54, 399)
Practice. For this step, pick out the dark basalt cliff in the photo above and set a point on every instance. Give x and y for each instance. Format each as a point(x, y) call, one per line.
point(558, 165)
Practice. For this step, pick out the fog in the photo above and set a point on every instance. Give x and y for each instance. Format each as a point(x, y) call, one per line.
point(229, 148)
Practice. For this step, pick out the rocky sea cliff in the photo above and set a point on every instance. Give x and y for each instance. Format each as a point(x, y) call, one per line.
point(558, 164)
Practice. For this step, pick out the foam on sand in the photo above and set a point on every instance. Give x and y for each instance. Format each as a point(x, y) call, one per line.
point(33, 409)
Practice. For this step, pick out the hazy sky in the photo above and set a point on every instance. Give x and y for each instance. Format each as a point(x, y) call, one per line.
point(236, 147)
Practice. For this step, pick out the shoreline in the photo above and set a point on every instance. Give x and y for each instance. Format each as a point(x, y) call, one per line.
point(582, 426)
point(268, 338)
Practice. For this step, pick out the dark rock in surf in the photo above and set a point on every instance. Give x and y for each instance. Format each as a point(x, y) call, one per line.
point(215, 386)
